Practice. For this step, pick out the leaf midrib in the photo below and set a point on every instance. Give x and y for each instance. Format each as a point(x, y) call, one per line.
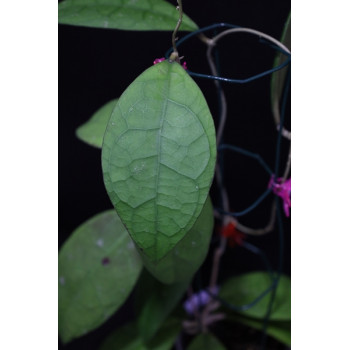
point(159, 146)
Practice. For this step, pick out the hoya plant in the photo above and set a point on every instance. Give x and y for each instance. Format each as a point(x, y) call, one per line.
point(159, 249)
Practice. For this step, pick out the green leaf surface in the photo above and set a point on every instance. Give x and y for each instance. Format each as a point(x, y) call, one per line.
point(158, 157)
point(155, 302)
point(244, 289)
point(183, 261)
point(278, 78)
point(123, 14)
point(280, 330)
point(93, 130)
point(206, 341)
point(127, 337)
point(98, 267)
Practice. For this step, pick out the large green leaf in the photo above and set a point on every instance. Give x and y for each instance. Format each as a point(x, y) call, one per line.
point(244, 289)
point(206, 341)
point(158, 157)
point(123, 14)
point(280, 330)
point(93, 130)
point(98, 267)
point(127, 337)
point(183, 261)
point(154, 303)
point(278, 78)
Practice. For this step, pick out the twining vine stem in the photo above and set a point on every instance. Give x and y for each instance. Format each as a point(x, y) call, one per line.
point(220, 250)
point(251, 31)
point(287, 168)
point(205, 317)
point(211, 43)
point(175, 54)
point(224, 196)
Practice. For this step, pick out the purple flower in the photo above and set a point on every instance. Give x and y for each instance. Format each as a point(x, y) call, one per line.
point(198, 300)
point(158, 60)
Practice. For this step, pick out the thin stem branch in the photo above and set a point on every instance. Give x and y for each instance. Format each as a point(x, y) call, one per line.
point(260, 231)
point(175, 55)
point(251, 31)
point(285, 133)
point(223, 114)
point(224, 197)
point(223, 192)
point(202, 37)
point(216, 262)
point(287, 168)
point(223, 103)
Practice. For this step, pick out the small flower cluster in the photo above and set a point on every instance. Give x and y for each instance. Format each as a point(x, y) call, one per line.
point(158, 60)
point(283, 190)
point(198, 300)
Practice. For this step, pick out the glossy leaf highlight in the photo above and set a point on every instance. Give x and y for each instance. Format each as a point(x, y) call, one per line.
point(244, 289)
point(123, 14)
point(158, 157)
point(98, 267)
point(93, 130)
point(183, 261)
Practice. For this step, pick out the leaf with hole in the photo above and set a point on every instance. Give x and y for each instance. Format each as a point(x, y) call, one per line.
point(128, 338)
point(155, 302)
point(158, 157)
point(183, 261)
point(123, 14)
point(206, 341)
point(93, 130)
point(98, 267)
point(246, 288)
point(278, 78)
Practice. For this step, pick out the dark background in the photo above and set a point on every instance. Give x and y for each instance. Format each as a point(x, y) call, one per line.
point(96, 65)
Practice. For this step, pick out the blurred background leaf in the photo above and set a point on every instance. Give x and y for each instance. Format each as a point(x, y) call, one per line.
point(98, 267)
point(128, 338)
point(245, 289)
point(155, 301)
point(206, 341)
point(93, 130)
point(280, 330)
point(123, 14)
